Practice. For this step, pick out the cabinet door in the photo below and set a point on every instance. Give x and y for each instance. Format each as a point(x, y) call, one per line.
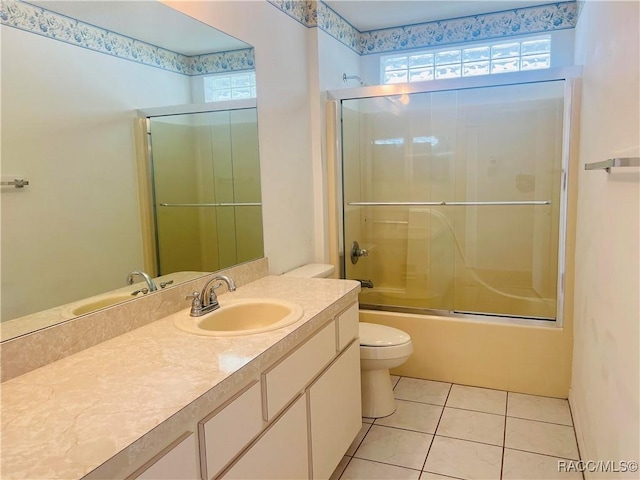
point(282, 453)
point(177, 461)
point(335, 412)
point(226, 432)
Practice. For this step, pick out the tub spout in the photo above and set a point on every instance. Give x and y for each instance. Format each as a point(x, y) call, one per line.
point(365, 283)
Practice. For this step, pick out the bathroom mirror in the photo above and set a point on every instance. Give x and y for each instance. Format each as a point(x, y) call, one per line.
point(74, 76)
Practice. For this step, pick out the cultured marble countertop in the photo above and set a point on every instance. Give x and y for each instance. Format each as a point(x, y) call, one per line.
point(67, 418)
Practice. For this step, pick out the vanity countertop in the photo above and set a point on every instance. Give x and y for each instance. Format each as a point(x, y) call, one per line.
point(69, 417)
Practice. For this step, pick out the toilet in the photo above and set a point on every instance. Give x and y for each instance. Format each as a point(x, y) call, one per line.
point(381, 348)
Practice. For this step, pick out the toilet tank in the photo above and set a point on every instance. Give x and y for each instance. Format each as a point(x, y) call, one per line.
point(312, 270)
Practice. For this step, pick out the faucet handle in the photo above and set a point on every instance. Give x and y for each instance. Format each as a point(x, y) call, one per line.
point(196, 304)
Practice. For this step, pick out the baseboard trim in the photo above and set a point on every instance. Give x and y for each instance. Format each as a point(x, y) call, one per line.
point(577, 425)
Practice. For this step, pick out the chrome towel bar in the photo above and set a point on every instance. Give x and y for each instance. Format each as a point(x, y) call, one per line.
point(607, 165)
point(445, 204)
point(223, 204)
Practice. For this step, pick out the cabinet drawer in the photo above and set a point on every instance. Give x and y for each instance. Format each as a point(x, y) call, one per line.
point(347, 326)
point(227, 431)
point(176, 462)
point(282, 453)
point(289, 377)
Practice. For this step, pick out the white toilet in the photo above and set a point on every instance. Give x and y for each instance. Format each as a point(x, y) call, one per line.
point(381, 348)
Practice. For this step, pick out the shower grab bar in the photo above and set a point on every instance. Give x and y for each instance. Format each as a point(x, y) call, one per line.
point(613, 162)
point(387, 222)
point(445, 203)
point(249, 204)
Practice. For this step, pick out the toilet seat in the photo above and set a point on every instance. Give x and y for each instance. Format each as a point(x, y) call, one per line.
point(374, 335)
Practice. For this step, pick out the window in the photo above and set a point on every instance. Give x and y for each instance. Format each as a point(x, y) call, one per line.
point(512, 56)
point(230, 86)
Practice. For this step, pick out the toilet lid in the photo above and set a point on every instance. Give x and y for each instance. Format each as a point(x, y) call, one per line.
point(373, 335)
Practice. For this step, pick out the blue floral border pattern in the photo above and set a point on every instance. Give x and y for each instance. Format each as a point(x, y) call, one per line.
point(338, 27)
point(27, 17)
point(530, 20)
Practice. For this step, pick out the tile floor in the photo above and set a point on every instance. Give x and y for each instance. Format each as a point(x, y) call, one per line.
point(445, 431)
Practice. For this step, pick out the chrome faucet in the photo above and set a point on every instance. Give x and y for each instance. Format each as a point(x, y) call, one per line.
point(207, 300)
point(152, 286)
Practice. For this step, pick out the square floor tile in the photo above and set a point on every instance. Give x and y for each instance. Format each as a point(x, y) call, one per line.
point(340, 468)
point(421, 417)
point(473, 426)
point(478, 399)
point(394, 380)
point(425, 391)
point(531, 466)
point(364, 469)
point(356, 442)
point(463, 459)
point(394, 446)
point(544, 409)
point(539, 437)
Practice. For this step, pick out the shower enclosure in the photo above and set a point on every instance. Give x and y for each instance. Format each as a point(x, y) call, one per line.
point(453, 200)
point(205, 184)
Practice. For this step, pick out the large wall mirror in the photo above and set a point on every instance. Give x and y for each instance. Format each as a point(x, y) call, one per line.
point(75, 75)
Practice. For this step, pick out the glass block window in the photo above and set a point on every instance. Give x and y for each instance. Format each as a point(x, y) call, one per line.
point(506, 56)
point(230, 86)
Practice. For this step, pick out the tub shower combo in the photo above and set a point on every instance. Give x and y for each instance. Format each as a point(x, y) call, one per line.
point(454, 195)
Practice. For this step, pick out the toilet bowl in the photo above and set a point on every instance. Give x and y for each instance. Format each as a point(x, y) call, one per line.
point(381, 348)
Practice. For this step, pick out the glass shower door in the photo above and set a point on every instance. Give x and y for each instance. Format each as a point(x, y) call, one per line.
point(455, 196)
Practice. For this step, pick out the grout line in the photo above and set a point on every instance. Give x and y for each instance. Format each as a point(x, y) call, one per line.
point(476, 411)
point(543, 421)
point(575, 434)
point(418, 401)
point(442, 475)
point(543, 454)
point(363, 437)
point(424, 464)
point(407, 430)
point(470, 441)
point(391, 464)
point(504, 435)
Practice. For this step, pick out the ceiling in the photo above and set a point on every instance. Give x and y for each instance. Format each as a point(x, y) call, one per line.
point(375, 14)
point(148, 21)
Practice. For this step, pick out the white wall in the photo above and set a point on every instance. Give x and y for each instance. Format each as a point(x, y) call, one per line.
point(67, 127)
point(605, 382)
point(284, 121)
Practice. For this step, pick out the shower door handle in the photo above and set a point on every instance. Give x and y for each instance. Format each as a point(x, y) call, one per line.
point(357, 252)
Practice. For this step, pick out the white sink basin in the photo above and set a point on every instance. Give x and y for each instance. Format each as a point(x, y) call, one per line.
point(241, 317)
point(101, 303)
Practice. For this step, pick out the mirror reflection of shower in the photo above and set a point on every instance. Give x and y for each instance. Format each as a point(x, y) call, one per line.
point(205, 173)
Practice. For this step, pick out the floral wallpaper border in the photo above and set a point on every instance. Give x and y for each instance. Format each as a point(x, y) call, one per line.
point(544, 18)
point(30, 18)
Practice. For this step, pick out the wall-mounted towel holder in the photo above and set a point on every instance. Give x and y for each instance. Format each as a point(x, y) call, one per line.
point(607, 165)
point(16, 182)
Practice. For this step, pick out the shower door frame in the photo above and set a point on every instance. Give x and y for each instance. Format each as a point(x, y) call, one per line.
point(570, 75)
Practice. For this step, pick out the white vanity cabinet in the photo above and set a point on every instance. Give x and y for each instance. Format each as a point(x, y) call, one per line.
point(335, 412)
point(295, 420)
point(282, 453)
point(176, 462)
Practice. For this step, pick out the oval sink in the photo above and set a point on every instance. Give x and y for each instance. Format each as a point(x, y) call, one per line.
point(102, 303)
point(241, 317)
